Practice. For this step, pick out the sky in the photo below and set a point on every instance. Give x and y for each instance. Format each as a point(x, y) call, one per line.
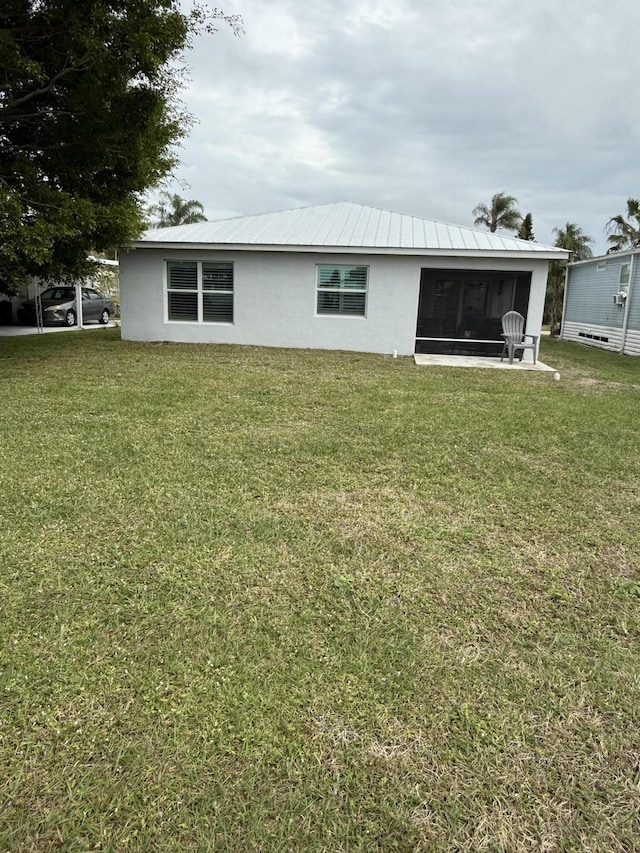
point(424, 107)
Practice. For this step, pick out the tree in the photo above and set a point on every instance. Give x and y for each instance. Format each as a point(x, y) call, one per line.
point(572, 238)
point(89, 120)
point(174, 210)
point(502, 213)
point(525, 231)
point(625, 233)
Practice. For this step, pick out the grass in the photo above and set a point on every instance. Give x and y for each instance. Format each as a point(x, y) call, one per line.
point(269, 600)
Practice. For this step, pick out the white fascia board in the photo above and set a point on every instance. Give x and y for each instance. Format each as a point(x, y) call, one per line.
point(552, 255)
point(612, 256)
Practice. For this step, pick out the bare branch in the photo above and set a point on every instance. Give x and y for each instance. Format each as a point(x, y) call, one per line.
point(43, 90)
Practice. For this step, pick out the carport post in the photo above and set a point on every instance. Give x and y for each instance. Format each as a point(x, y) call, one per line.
point(37, 301)
point(79, 317)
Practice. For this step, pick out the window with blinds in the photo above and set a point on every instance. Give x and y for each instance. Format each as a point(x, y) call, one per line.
point(182, 287)
point(217, 296)
point(200, 291)
point(342, 289)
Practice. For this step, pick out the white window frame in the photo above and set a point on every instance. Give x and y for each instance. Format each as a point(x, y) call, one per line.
point(199, 290)
point(625, 277)
point(343, 291)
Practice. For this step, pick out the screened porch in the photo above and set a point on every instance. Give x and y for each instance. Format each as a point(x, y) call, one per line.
point(460, 311)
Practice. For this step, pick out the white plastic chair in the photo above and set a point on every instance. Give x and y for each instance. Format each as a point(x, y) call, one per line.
point(515, 338)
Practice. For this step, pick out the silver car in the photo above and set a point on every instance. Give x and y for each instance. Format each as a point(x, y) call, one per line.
point(59, 307)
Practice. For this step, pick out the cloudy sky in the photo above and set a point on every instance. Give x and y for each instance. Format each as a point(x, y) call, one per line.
point(425, 107)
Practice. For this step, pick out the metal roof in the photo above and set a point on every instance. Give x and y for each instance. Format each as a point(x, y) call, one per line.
point(612, 255)
point(343, 225)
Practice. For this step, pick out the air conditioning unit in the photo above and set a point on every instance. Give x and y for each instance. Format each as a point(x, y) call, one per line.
point(619, 298)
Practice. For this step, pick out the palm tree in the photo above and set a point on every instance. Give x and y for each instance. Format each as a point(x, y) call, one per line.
point(572, 238)
point(502, 213)
point(174, 210)
point(625, 233)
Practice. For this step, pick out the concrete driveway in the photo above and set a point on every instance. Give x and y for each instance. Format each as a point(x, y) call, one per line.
point(13, 331)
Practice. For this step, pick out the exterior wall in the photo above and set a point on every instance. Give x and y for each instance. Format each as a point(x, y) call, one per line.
point(539, 272)
point(605, 337)
point(590, 317)
point(590, 292)
point(275, 299)
point(632, 338)
point(632, 342)
point(9, 304)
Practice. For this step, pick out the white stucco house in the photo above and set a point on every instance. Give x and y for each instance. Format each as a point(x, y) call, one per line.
point(337, 276)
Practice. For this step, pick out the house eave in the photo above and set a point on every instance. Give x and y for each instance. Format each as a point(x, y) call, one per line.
point(539, 254)
point(610, 256)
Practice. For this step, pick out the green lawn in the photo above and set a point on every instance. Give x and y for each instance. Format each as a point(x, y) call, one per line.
point(273, 600)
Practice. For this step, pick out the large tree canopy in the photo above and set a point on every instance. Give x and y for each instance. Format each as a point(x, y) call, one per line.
point(89, 120)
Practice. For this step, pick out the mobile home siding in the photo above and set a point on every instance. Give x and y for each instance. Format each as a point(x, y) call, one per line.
point(633, 321)
point(604, 337)
point(632, 343)
point(590, 315)
point(590, 295)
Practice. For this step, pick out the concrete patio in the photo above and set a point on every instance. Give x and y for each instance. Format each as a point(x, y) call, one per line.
point(479, 361)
